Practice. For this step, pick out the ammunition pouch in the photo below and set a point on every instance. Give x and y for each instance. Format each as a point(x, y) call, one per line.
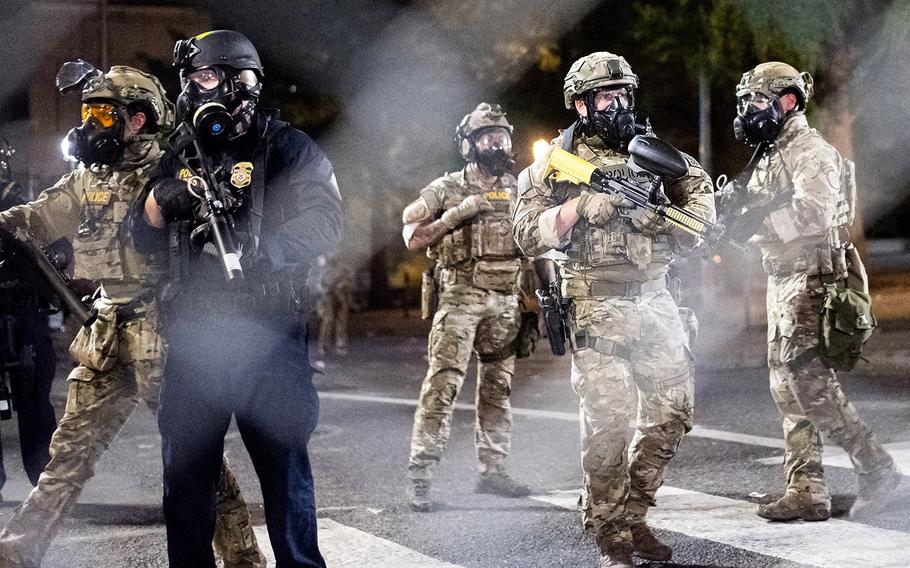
point(96, 346)
point(499, 276)
point(846, 322)
point(429, 296)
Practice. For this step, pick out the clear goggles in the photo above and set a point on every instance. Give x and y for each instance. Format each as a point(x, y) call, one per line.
point(208, 78)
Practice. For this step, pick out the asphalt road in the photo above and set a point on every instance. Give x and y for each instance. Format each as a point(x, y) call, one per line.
point(359, 453)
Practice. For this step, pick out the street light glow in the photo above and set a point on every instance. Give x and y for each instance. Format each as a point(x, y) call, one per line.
point(541, 148)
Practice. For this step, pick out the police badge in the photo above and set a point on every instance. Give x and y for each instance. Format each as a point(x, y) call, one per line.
point(242, 174)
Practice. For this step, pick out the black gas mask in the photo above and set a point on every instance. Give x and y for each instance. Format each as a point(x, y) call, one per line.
point(493, 150)
point(219, 102)
point(615, 125)
point(754, 125)
point(99, 140)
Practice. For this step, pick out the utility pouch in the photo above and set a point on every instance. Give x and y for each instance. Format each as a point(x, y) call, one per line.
point(498, 276)
point(846, 322)
point(96, 346)
point(429, 296)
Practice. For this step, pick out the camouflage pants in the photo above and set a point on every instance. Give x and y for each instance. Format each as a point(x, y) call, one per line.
point(653, 361)
point(98, 403)
point(333, 320)
point(808, 394)
point(468, 320)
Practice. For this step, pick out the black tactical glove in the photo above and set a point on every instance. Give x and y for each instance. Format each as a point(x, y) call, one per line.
point(174, 199)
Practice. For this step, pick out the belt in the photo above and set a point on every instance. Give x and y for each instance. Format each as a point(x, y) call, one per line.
point(604, 288)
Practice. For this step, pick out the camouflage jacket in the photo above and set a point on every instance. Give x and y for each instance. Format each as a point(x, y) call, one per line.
point(89, 206)
point(801, 234)
point(617, 252)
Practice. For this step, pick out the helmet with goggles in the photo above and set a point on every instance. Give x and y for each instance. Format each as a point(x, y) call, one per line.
point(773, 79)
point(599, 69)
point(221, 75)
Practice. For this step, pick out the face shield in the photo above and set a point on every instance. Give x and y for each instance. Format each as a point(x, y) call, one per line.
point(493, 150)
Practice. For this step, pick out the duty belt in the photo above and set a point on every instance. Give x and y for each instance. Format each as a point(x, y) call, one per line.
point(572, 288)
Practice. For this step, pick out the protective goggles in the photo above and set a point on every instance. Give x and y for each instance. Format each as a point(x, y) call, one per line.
point(752, 101)
point(208, 78)
point(106, 114)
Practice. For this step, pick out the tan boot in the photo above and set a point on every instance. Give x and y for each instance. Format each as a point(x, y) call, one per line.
point(873, 492)
point(796, 505)
point(420, 495)
point(499, 483)
point(616, 554)
point(646, 544)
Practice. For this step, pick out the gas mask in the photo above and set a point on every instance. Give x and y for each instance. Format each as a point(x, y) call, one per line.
point(615, 125)
point(754, 125)
point(493, 150)
point(99, 140)
point(219, 102)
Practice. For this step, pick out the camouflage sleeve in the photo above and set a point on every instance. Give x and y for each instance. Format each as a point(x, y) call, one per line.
point(425, 209)
point(55, 214)
point(534, 216)
point(701, 200)
point(814, 173)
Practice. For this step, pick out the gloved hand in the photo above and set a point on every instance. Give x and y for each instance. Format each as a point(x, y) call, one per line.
point(599, 208)
point(677, 193)
point(650, 223)
point(174, 199)
point(469, 206)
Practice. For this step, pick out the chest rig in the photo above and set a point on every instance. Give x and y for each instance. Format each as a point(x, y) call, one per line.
point(488, 236)
point(617, 243)
point(103, 248)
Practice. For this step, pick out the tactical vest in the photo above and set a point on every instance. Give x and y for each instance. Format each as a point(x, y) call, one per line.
point(483, 252)
point(617, 243)
point(103, 247)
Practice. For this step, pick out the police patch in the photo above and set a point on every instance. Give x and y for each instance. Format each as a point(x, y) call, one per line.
point(496, 195)
point(99, 197)
point(242, 174)
point(184, 174)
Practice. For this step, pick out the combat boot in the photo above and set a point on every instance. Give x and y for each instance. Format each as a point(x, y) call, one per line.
point(420, 495)
point(873, 491)
point(796, 505)
point(615, 554)
point(646, 544)
point(499, 483)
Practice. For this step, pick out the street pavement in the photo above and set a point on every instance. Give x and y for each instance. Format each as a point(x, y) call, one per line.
point(728, 464)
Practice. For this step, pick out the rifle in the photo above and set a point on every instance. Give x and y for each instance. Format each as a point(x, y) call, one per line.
point(732, 199)
point(558, 313)
point(41, 260)
point(662, 163)
point(215, 202)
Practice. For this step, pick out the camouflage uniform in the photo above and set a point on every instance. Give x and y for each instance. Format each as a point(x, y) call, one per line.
point(478, 269)
point(629, 333)
point(802, 244)
point(334, 306)
point(121, 356)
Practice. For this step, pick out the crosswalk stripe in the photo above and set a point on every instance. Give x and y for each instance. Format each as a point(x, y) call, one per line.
point(347, 547)
point(836, 457)
point(728, 521)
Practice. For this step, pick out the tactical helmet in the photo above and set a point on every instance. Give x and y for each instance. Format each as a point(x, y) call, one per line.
point(218, 47)
point(121, 84)
point(484, 116)
point(599, 69)
point(774, 78)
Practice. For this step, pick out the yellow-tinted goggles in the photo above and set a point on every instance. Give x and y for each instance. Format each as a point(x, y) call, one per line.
point(104, 113)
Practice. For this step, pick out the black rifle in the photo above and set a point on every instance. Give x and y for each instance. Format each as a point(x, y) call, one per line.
point(557, 311)
point(37, 257)
point(663, 163)
point(215, 200)
point(732, 200)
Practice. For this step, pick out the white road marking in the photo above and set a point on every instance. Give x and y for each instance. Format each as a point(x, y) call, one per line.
point(697, 432)
point(347, 547)
point(834, 542)
point(836, 457)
